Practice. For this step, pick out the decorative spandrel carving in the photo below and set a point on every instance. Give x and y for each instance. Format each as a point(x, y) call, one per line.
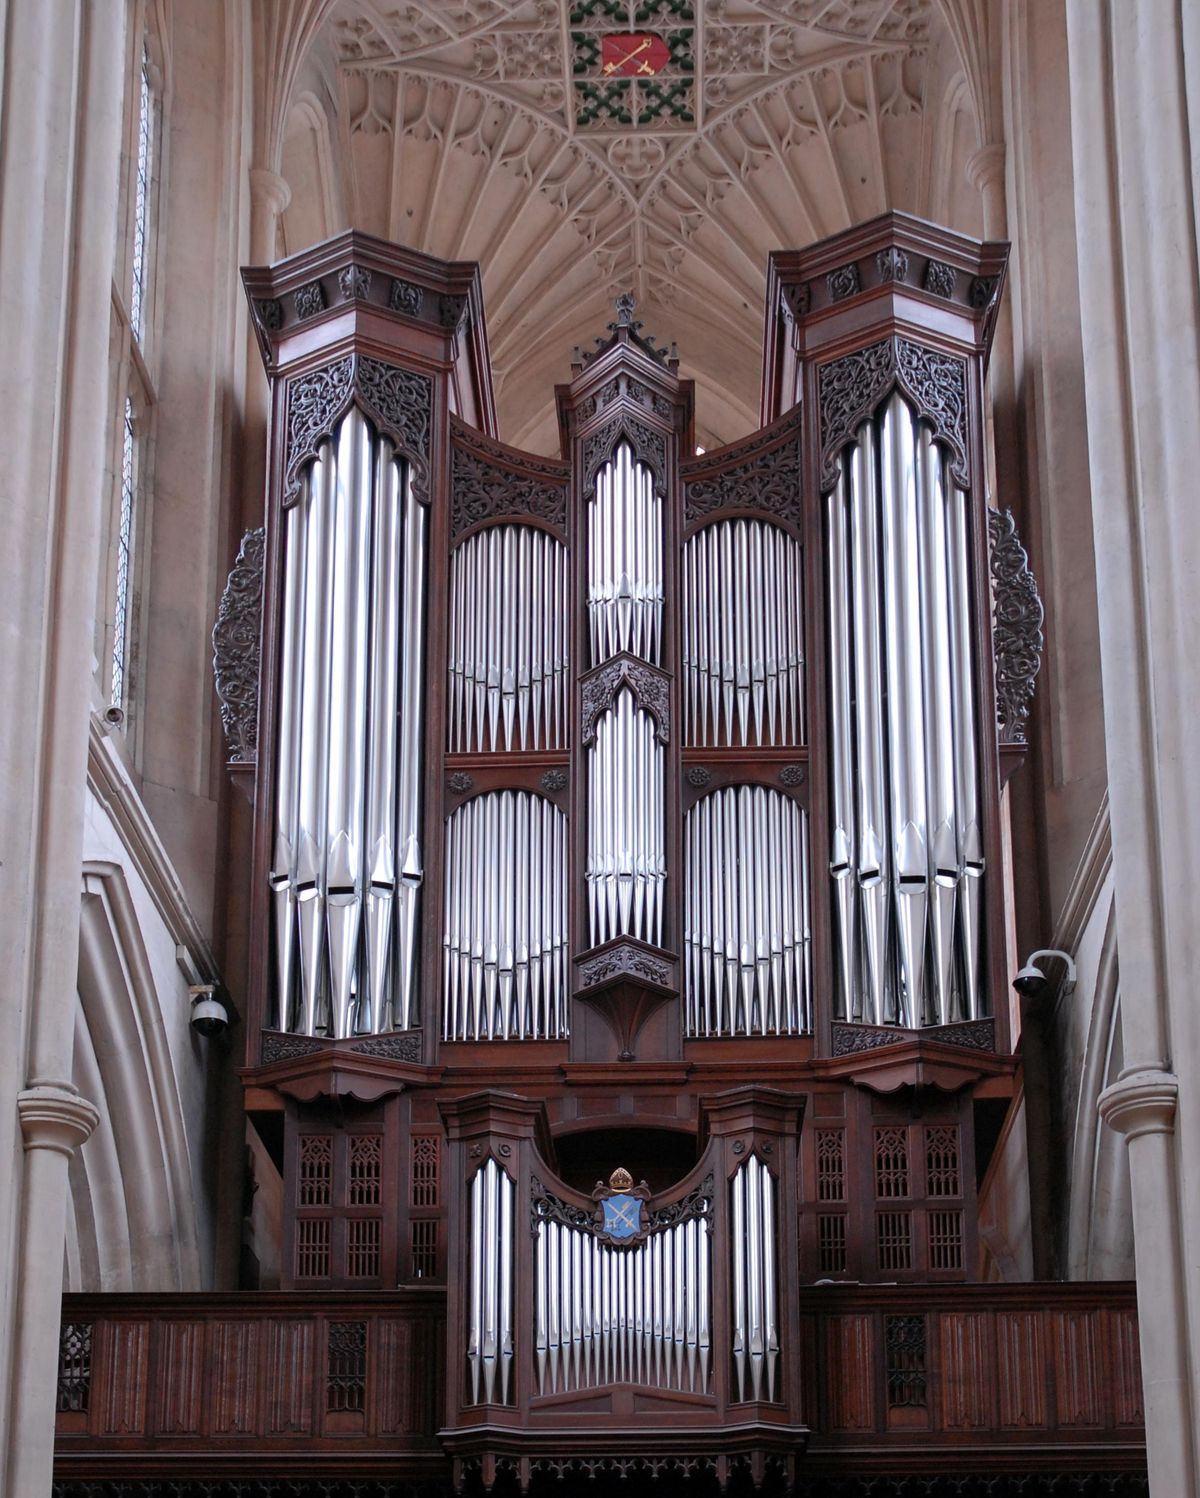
point(484, 487)
point(648, 685)
point(938, 385)
point(237, 647)
point(398, 401)
point(314, 403)
point(850, 390)
point(769, 480)
point(649, 447)
point(1017, 617)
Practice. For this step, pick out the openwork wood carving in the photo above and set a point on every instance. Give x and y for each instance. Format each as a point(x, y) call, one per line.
point(850, 390)
point(485, 487)
point(237, 647)
point(649, 447)
point(768, 479)
point(1017, 616)
point(648, 685)
point(398, 401)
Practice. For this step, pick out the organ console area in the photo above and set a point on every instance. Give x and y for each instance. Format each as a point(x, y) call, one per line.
point(626, 911)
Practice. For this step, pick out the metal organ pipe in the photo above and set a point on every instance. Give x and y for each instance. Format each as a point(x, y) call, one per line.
point(639, 1314)
point(490, 1321)
point(625, 561)
point(755, 1281)
point(505, 925)
point(746, 918)
point(743, 655)
point(346, 867)
point(626, 863)
point(508, 646)
point(906, 855)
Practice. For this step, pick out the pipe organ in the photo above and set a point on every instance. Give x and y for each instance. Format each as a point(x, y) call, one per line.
point(629, 815)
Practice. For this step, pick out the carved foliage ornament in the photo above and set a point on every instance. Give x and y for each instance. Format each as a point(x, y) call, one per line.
point(621, 961)
point(852, 388)
point(398, 401)
point(648, 685)
point(768, 481)
point(546, 1207)
point(484, 490)
point(236, 640)
point(1017, 616)
point(649, 447)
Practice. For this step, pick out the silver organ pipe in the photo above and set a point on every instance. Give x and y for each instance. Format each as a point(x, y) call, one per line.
point(508, 642)
point(490, 1320)
point(505, 922)
point(746, 937)
point(626, 860)
point(606, 1314)
point(346, 866)
point(755, 1320)
point(906, 856)
point(625, 561)
point(743, 651)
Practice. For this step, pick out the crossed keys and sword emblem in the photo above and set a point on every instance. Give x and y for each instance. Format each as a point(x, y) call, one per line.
point(633, 56)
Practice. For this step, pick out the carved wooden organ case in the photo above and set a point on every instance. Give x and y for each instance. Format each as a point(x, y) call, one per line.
point(623, 810)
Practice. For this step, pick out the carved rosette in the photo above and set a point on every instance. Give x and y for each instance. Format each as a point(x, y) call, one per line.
point(649, 447)
point(483, 487)
point(398, 401)
point(769, 480)
point(852, 388)
point(1017, 616)
point(648, 685)
point(237, 645)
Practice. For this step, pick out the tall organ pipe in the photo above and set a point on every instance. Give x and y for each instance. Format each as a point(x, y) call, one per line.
point(742, 636)
point(346, 864)
point(505, 931)
point(625, 561)
point(746, 914)
point(508, 658)
point(626, 862)
point(490, 1319)
point(906, 855)
point(755, 1281)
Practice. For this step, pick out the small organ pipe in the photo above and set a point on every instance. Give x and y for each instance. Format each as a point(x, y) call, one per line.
point(742, 636)
point(626, 864)
point(746, 919)
point(625, 562)
point(608, 1314)
point(291, 678)
point(507, 662)
point(505, 923)
point(966, 761)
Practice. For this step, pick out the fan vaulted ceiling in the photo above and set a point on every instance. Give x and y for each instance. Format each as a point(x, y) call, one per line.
point(489, 130)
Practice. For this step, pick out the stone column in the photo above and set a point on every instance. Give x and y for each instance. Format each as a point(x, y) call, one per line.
point(63, 64)
point(1133, 85)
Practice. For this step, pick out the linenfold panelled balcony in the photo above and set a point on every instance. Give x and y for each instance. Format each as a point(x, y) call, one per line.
point(917, 1380)
point(627, 1034)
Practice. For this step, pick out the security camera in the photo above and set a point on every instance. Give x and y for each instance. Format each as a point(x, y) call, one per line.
point(209, 1015)
point(1031, 982)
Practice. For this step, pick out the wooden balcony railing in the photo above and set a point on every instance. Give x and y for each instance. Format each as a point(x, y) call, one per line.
point(890, 1380)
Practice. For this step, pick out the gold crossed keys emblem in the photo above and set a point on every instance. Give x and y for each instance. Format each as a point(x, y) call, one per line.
point(633, 55)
